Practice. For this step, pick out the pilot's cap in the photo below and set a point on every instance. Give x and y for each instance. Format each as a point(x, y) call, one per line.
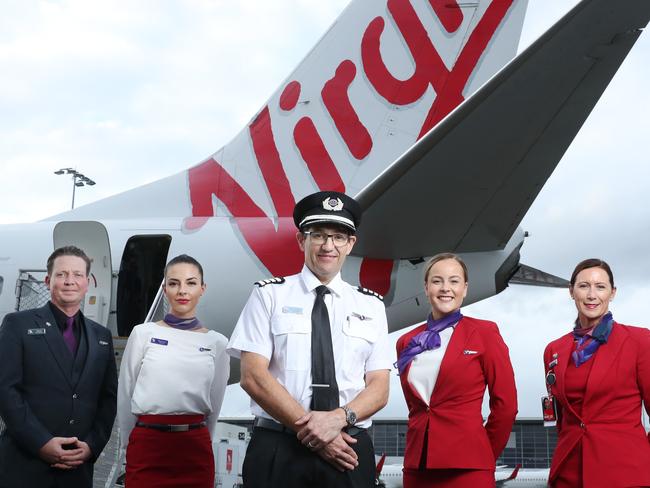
point(327, 207)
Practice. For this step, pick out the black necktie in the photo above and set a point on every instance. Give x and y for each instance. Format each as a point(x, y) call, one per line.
point(325, 391)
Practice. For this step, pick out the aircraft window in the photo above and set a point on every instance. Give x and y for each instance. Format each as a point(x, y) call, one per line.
point(2, 281)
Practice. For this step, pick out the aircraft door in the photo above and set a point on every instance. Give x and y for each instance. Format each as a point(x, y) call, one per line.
point(92, 238)
point(141, 272)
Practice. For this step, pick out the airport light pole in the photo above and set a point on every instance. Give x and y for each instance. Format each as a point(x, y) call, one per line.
point(78, 179)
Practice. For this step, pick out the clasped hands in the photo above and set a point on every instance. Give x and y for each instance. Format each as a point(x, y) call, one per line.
point(322, 432)
point(74, 454)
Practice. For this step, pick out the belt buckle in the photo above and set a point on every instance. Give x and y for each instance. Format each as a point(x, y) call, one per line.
point(179, 428)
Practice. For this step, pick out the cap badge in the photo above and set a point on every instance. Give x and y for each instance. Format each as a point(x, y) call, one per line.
point(332, 204)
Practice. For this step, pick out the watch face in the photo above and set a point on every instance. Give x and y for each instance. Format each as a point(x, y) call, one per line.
point(351, 417)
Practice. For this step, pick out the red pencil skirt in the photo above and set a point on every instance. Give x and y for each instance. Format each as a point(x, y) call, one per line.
point(156, 459)
point(448, 478)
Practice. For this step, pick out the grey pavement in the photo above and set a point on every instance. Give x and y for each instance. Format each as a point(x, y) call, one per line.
point(108, 466)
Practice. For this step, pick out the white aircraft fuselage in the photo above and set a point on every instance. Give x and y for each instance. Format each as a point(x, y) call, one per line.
point(230, 270)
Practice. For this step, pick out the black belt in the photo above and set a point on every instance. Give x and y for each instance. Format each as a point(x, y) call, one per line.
point(171, 427)
point(268, 424)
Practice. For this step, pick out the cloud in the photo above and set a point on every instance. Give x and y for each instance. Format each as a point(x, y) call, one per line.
point(140, 90)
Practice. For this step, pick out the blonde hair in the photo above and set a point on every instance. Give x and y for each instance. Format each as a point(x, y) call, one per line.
point(441, 257)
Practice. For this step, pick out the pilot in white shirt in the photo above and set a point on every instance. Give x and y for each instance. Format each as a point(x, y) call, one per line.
point(313, 389)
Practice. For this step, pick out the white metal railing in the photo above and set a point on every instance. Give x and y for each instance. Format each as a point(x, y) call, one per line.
point(156, 311)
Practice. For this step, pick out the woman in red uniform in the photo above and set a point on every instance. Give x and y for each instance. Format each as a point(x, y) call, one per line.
point(598, 374)
point(444, 366)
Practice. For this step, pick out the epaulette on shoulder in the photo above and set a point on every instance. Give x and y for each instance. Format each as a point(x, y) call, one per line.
point(270, 281)
point(366, 291)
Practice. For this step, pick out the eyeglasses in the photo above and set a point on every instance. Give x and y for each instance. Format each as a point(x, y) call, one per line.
point(320, 238)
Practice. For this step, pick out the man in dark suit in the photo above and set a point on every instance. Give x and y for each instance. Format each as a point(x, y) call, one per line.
point(58, 384)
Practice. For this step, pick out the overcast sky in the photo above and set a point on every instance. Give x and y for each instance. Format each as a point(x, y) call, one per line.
point(130, 92)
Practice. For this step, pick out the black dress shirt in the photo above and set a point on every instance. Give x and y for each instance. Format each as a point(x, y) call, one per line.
point(61, 317)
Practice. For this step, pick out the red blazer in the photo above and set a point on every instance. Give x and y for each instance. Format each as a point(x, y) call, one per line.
point(452, 422)
point(615, 449)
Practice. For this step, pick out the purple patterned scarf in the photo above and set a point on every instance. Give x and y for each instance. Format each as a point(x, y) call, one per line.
point(588, 343)
point(427, 339)
point(182, 324)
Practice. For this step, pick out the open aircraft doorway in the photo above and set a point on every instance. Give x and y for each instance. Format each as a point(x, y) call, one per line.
point(141, 272)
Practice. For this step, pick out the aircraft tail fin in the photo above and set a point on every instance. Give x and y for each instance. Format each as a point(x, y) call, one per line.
point(383, 75)
point(514, 473)
point(380, 465)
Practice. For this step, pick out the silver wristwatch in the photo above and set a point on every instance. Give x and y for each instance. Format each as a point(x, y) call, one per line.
point(350, 416)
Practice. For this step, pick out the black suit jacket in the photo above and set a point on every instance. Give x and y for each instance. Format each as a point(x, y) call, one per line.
point(45, 393)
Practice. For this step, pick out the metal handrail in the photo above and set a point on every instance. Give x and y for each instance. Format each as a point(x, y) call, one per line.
point(156, 303)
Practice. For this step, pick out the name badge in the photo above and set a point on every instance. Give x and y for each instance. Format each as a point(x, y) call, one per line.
point(549, 411)
point(160, 342)
point(35, 331)
point(294, 310)
point(468, 352)
point(203, 349)
point(103, 343)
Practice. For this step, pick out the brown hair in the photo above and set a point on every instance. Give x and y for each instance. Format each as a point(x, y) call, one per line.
point(67, 251)
point(592, 263)
point(185, 259)
point(441, 257)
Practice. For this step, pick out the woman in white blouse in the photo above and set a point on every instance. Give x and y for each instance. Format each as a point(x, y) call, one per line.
point(172, 382)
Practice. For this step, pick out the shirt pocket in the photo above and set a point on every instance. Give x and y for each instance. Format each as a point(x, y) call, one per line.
point(361, 327)
point(292, 342)
point(360, 334)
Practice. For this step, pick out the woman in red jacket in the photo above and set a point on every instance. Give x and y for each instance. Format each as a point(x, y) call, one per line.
point(444, 366)
point(598, 375)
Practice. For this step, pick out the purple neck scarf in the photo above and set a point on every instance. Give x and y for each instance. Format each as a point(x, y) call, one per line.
point(587, 344)
point(182, 324)
point(427, 339)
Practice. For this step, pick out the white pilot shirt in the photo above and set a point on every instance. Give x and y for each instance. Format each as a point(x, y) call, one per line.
point(276, 323)
point(425, 367)
point(167, 371)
